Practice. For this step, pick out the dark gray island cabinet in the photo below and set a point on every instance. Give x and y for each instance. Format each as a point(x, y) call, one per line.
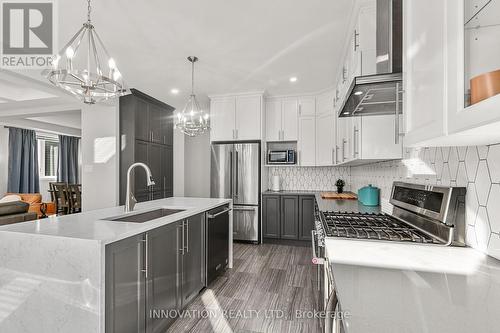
point(287, 215)
point(154, 274)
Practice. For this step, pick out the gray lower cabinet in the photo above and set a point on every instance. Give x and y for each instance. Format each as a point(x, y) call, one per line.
point(271, 216)
point(193, 276)
point(150, 274)
point(306, 216)
point(125, 289)
point(164, 261)
point(288, 216)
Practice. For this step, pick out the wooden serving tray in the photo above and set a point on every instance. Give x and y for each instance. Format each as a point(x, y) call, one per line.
point(339, 196)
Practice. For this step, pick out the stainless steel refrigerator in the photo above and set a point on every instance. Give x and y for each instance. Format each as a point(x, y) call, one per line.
point(235, 174)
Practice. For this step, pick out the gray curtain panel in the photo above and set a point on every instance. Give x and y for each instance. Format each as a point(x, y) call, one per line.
point(23, 161)
point(67, 169)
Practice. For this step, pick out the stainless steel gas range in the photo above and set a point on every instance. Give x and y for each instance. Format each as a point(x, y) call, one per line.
point(421, 214)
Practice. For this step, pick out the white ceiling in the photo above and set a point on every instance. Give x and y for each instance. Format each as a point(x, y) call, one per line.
point(72, 118)
point(242, 45)
point(29, 103)
point(13, 92)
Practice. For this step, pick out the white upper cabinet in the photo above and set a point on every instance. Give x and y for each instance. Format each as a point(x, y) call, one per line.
point(222, 119)
point(474, 50)
point(435, 76)
point(367, 39)
point(306, 144)
point(367, 139)
point(342, 152)
point(273, 120)
point(326, 139)
point(282, 119)
point(307, 106)
point(325, 103)
point(234, 118)
point(424, 69)
point(290, 119)
point(248, 117)
point(326, 130)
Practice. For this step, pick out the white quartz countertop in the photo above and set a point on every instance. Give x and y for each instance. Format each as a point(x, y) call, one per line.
point(92, 226)
point(394, 287)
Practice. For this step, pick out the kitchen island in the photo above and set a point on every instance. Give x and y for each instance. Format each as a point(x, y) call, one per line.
point(53, 271)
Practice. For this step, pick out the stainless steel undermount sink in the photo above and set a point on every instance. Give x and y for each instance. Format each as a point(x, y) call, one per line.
point(146, 216)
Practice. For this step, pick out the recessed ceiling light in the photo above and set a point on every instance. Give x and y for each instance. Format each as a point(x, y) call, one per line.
point(174, 91)
point(293, 79)
point(357, 93)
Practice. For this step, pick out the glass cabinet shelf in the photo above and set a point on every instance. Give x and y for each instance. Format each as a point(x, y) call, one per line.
point(482, 50)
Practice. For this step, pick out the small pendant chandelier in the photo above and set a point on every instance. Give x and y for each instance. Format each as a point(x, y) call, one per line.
point(192, 120)
point(85, 69)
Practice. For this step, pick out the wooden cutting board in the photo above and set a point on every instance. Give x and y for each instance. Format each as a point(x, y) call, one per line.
point(339, 196)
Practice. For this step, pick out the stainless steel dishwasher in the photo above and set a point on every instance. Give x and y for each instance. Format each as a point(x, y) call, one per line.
point(217, 242)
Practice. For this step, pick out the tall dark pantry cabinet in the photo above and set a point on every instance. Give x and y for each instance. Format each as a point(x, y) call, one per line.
point(146, 135)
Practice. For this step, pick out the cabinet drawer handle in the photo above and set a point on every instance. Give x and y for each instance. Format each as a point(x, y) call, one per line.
point(356, 45)
point(344, 141)
point(182, 237)
point(145, 242)
point(396, 120)
point(355, 142)
point(187, 236)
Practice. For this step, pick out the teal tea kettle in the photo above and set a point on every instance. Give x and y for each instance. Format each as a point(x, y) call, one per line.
point(369, 195)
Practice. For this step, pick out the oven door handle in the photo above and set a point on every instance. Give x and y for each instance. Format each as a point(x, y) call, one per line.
point(331, 322)
point(212, 216)
point(315, 259)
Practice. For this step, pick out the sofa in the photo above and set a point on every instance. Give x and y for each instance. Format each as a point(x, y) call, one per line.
point(34, 200)
point(15, 211)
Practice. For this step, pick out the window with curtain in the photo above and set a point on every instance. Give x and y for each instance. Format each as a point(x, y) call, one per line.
point(48, 154)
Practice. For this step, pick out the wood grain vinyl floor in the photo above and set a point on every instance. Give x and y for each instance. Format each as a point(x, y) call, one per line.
point(269, 289)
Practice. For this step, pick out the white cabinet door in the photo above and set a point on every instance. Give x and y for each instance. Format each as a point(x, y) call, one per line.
point(248, 117)
point(306, 144)
point(377, 138)
point(355, 138)
point(273, 120)
point(342, 139)
point(325, 102)
point(325, 140)
point(307, 106)
point(425, 69)
point(367, 39)
point(222, 119)
point(290, 119)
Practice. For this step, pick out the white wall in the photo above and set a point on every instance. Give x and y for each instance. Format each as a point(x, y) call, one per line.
point(44, 188)
point(4, 157)
point(99, 156)
point(178, 164)
point(197, 166)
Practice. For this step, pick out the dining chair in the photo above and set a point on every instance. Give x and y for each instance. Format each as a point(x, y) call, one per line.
point(75, 196)
point(62, 200)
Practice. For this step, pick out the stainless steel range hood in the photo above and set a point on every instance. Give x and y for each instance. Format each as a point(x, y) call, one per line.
point(381, 93)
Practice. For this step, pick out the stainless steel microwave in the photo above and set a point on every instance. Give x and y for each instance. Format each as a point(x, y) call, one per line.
point(282, 157)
